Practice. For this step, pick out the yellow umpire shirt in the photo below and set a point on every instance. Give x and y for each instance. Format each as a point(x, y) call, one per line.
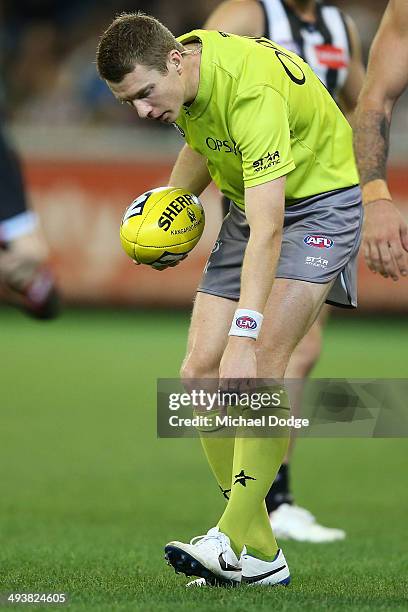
point(261, 113)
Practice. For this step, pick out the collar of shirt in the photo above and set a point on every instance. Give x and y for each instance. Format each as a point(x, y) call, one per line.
point(203, 97)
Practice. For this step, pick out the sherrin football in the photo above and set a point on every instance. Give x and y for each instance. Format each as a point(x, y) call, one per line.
point(162, 225)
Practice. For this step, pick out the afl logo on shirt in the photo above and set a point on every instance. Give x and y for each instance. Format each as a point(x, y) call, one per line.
point(321, 242)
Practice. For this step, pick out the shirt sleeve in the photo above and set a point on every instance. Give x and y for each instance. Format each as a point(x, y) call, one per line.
point(259, 125)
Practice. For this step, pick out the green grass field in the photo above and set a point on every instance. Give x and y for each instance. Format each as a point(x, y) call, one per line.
point(89, 496)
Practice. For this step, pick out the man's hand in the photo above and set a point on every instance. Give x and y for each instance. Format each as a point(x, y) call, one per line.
point(385, 239)
point(238, 362)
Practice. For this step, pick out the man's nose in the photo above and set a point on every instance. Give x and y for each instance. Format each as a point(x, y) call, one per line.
point(142, 107)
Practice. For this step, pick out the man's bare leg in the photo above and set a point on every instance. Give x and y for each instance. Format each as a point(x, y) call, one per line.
point(289, 520)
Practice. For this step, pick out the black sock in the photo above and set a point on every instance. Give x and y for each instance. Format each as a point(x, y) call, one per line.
point(279, 493)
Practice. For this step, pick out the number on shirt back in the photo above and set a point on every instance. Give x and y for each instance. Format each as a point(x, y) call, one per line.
point(300, 78)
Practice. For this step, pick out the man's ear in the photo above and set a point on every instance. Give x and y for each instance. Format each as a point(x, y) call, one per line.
point(175, 58)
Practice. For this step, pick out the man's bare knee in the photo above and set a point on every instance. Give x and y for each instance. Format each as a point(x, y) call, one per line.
point(195, 371)
point(270, 363)
point(207, 338)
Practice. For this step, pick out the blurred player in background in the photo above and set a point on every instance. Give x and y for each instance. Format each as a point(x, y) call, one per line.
point(25, 277)
point(328, 40)
point(385, 236)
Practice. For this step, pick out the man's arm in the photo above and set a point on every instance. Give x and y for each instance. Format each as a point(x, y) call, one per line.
point(264, 207)
point(355, 77)
point(242, 17)
point(385, 238)
point(190, 171)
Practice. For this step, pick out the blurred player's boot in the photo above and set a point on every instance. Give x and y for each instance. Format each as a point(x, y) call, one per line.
point(40, 297)
point(210, 557)
point(258, 572)
point(290, 522)
point(25, 277)
point(280, 492)
point(31, 287)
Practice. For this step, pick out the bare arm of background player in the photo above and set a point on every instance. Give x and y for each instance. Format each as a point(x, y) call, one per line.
point(385, 238)
point(350, 91)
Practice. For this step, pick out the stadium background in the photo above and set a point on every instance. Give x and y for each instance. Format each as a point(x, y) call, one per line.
point(88, 494)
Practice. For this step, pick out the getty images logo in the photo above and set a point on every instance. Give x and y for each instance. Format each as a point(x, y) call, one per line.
point(321, 242)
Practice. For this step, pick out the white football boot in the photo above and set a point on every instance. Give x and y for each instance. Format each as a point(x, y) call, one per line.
point(296, 523)
point(210, 557)
point(257, 572)
point(264, 573)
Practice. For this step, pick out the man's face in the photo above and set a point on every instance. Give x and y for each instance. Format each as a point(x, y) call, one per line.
point(152, 94)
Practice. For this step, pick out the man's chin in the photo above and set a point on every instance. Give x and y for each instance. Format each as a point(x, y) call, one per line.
point(164, 117)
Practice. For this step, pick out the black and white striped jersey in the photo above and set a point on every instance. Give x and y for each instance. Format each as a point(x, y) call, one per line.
point(324, 45)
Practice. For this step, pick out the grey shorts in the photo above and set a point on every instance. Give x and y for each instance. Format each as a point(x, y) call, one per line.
point(321, 238)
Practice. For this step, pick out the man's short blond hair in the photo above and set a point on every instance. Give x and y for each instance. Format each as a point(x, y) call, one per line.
point(134, 38)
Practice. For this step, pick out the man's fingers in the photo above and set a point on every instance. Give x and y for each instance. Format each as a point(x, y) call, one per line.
point(404, 236)
point(373, 260)
point(223, 384)
point(388, 265)
point(367, 256)
point(236, 385)
point(366, 250)
point(400, 257)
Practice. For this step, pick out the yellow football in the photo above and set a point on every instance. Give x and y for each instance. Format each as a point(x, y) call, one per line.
point(161, 226)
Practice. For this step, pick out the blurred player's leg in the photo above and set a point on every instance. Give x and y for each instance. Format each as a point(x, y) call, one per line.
point(302, 361)
point(289, 520)
point(24, 274)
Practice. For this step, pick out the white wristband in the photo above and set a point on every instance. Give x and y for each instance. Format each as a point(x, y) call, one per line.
point(246, 323)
